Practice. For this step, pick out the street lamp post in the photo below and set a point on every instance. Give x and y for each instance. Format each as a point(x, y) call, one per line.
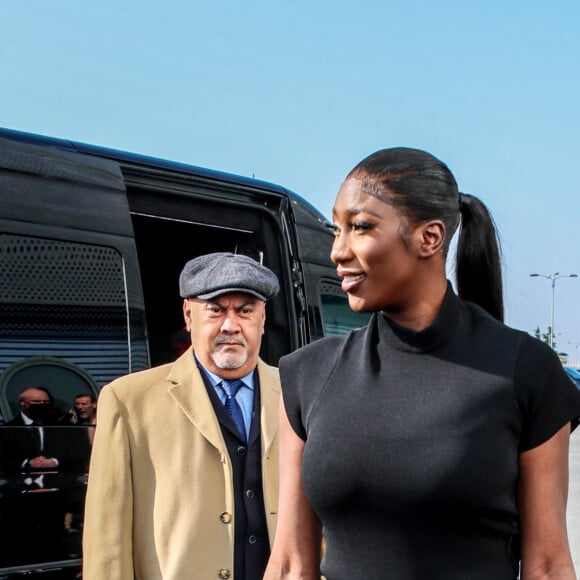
point(553, 277)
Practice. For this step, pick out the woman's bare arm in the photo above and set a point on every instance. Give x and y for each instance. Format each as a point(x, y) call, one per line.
point(542, 497)
point(296, 550)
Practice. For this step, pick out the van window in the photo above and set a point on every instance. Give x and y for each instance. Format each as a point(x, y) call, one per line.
point(65, 300)
point(337, 317)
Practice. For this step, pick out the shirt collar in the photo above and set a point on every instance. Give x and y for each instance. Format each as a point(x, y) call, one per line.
point(27, 420)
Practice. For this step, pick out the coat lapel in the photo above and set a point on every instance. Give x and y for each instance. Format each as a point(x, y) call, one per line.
point(188, 390)
point(270, 398)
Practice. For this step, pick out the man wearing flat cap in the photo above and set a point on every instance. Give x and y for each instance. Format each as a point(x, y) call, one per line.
point(183, 482)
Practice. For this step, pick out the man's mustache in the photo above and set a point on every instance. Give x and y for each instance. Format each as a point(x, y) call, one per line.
point(229, 340)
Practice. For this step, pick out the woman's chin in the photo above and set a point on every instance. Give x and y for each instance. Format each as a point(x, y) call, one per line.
point(358, 304)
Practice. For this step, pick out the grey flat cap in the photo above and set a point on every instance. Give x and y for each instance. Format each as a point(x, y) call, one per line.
point(212, 275)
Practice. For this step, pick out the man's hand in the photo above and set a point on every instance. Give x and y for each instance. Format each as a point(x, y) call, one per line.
point(42, 462)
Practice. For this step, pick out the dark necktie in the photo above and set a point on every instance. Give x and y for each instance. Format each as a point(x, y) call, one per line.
point(38, 435)
point(232, 406)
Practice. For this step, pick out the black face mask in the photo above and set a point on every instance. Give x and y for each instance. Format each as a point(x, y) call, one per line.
point(39, 412)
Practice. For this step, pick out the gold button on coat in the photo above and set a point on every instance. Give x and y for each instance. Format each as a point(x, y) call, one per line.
point(224, 574)
point(226, 517)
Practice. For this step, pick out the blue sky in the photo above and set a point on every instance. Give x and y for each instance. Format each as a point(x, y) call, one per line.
point(298, 92)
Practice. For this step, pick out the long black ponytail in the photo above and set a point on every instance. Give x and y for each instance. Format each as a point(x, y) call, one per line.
point(478, 257)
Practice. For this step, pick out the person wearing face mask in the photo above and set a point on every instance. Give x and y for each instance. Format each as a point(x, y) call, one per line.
point(36, 407)
point(41, 450)
point(183, 477)
point(433, 443)
point(45, 446)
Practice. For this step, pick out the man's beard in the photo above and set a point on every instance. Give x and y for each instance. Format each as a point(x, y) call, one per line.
point(229, 360)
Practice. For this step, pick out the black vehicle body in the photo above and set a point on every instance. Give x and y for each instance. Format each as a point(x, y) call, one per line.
point(92, 241)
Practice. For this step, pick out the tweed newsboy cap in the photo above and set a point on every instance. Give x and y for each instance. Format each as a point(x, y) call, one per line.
point(212, 275)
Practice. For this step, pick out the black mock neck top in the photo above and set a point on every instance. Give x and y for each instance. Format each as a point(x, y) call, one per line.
point(412, 441)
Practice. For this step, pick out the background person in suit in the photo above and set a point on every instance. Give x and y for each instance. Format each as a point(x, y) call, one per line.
point(45, 464)
point(183, 479)
point(30, 449)
point(43, 447)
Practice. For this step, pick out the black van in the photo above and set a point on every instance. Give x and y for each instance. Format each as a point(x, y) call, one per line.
point(92, 241)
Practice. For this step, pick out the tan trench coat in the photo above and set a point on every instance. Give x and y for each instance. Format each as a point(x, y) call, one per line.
point(160, 499)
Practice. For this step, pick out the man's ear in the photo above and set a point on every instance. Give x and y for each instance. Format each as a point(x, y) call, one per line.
point(432, 238)
point(187, 314)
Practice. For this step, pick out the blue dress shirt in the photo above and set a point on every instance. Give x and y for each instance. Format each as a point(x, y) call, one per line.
point(244, 396)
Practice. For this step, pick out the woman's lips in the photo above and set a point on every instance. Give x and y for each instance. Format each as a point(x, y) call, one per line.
point(351, 281)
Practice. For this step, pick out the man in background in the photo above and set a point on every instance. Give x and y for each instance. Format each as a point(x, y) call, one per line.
point(44, 447)
point(84, 413)
point(85, 408)
point(184, 473)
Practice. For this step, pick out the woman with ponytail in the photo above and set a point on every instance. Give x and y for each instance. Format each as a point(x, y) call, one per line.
point(433, 443)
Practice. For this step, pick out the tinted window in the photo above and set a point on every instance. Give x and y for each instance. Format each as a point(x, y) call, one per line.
point(66, 300)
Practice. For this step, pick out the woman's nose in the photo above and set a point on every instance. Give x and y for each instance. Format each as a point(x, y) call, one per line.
point(339, 251)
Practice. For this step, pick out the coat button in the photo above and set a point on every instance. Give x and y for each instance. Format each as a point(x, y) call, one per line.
point(242, 450)
point(252, 539)
point(224, 574)
point(225, 518)
point(250, 494)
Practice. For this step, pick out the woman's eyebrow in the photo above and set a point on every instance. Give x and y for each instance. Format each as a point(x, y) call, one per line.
point(358, 210)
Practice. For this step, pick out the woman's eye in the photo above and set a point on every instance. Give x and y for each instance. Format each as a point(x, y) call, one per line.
point(361, 226)
point(354, 226)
